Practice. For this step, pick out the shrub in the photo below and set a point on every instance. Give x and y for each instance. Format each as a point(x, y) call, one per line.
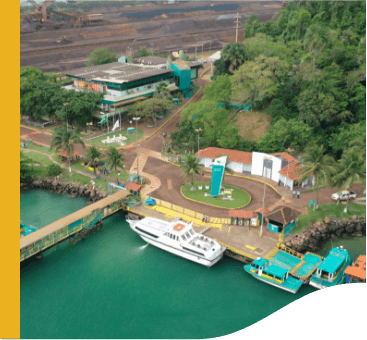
point(53, 170)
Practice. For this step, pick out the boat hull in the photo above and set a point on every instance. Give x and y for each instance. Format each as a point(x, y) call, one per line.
point(179, 252)
point(260, 278)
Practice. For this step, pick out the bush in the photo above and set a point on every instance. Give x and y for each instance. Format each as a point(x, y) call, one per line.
point(53, 170)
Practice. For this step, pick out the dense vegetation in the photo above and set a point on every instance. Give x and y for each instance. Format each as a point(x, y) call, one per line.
point(306, 68)
point(42, 96)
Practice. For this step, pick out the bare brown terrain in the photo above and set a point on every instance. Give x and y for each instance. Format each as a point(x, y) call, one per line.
point(67, 48)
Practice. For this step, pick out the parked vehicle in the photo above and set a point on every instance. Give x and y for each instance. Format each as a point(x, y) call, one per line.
point(343, 196)
point(203, 61)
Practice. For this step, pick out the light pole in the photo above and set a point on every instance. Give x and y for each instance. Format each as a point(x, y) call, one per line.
point(136, 126)
point(262, 215)
point(137, 149)
point(66, 116)
point(198, 130)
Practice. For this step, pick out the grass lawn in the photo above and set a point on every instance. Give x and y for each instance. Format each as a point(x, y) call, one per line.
point(305, 221)
point(38, 158)
point(32, 146)
point(98, 141)
point(241, 197)
point(251, 124)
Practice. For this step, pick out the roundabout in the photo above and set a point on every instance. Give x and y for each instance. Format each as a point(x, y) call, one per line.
point(230, 197)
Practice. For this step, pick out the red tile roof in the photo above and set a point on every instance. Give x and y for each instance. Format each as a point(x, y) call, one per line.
point(233, 155)
point(260, 211)
point(64, 154)
point(241, 213)
point(133, 187)
point(286, 156)
point(289, 171)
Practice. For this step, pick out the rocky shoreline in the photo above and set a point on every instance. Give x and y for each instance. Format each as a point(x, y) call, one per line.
point(314, 237)
point(73, 189)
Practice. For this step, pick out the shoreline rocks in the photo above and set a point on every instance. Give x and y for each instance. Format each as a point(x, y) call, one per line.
point(315, 237)
point(73, 189)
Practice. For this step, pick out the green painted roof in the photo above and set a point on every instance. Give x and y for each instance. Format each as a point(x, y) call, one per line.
point(270, 267)
point(333, 261)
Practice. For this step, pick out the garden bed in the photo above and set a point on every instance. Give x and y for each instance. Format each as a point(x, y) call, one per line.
point(241, 197)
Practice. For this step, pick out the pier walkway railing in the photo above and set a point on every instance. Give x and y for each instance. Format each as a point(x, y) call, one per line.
point(70, 225)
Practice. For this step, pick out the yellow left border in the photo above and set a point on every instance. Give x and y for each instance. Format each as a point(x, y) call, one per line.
point(9, 237)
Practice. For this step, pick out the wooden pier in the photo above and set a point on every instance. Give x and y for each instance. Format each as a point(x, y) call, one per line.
point(71, 225)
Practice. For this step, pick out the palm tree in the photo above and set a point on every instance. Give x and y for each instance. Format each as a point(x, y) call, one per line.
point(94, 155)
point(114, 160)
point(191, 167)
point(351, 168)
point(316, 163)
point(64, 139)
point(315, 39)
point(235, 53)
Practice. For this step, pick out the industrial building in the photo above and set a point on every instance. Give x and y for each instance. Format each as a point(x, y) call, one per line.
point(126, 83)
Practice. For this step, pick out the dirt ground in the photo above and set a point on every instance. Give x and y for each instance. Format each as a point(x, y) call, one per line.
point(252, 124)
point(117, 33)
point(170, 175)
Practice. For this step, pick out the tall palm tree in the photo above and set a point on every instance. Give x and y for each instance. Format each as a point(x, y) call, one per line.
point(94, 155)
point(316, 163)
point(235, 53)
point(315, 40)
point(191, 167)
point(114, 160)
point(64, 139)
point(351, 168)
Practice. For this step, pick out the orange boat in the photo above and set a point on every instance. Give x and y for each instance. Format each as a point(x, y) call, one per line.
point(357, 271)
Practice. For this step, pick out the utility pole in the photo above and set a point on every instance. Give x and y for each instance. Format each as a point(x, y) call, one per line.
point(202, 49)
point(237, 28)
point(196, 50)
point(262, 215)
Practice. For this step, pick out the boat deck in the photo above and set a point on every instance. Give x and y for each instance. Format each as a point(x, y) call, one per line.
point(285, 260)
point(311, 261)
point(301, 268)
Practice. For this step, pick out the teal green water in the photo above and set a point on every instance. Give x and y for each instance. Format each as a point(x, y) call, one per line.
point(114, 285)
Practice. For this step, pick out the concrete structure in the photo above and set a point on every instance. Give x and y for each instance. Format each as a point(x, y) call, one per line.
point(126, 83)
point(238, 161)
point(279, 167)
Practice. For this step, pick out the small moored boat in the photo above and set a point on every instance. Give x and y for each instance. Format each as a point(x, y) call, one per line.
point(330, 271)
point(274, 275)
point(178, 238)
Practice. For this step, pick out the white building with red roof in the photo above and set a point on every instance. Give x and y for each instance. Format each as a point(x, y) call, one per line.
point(238, 161)
point(280, 167)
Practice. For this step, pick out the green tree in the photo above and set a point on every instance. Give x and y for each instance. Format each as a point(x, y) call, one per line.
point(101, 56)
point(162, 92)
point(219, 90)
point(259, 80)
point(26, 172)
point(191, 168)
point(53, 170)
point(151, 107)
point(317, 164)
point(285, 134)
point(78, 107)
point(64, 140)
point(235, 53)
point(351, 168)
point(251, 26)
point(346, 135)
point(114, 160)
point(315, 39)
point(221, 67)
point(94, 155)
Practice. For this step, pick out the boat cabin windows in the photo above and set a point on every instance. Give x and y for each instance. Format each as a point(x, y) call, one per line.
point(191, 232)
point(188, 235)
point(172, 236)
point(183, 237)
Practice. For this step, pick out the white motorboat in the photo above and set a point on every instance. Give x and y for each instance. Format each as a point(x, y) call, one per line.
point(178, 238)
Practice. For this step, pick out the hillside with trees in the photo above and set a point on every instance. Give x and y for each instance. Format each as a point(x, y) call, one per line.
point(306, 68)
